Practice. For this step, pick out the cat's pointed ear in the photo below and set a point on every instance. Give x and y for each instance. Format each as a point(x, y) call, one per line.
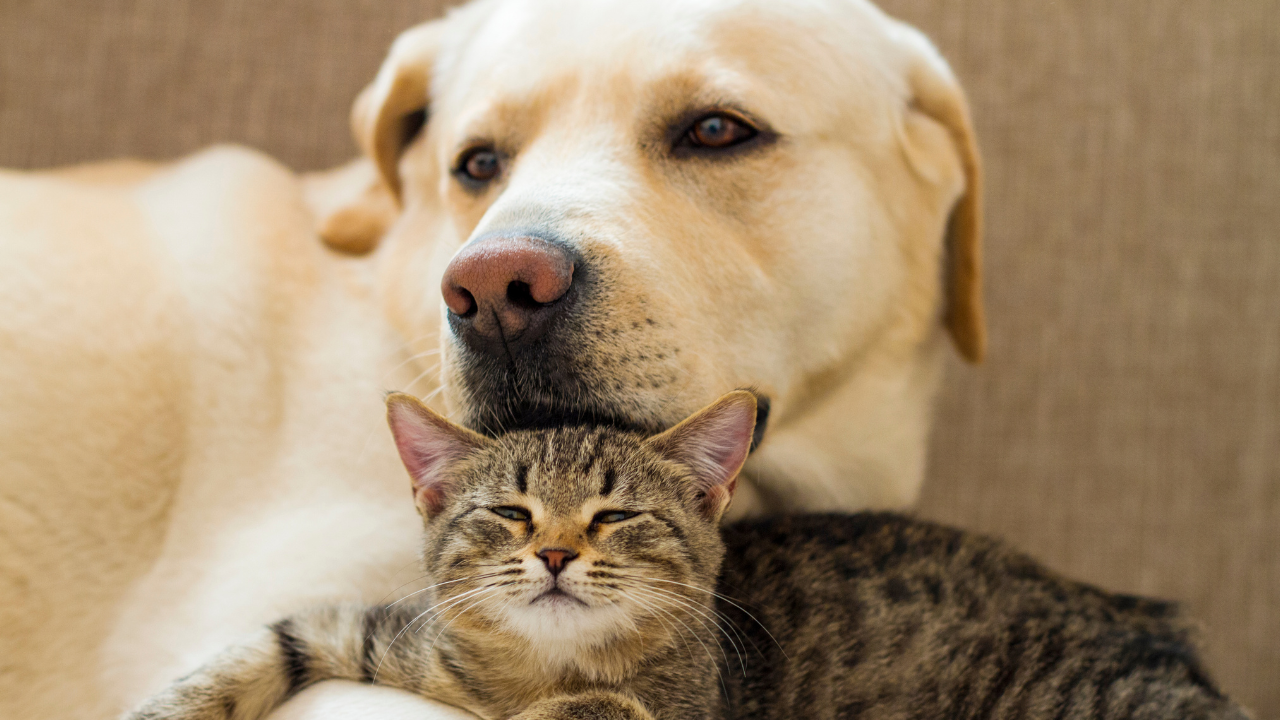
point(713, 443)
point(429, 445)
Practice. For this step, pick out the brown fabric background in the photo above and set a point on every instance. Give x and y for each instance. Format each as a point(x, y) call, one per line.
point(1126, 428)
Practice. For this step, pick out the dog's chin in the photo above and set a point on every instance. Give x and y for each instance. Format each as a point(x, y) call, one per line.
point(548, 388)
point(498, 416)
point(493, 418)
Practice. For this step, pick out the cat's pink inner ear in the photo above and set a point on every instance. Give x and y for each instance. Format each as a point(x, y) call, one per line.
point(428, 445)
point(714, 443)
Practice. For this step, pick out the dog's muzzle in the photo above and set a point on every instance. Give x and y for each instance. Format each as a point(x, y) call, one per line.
point(505, 291)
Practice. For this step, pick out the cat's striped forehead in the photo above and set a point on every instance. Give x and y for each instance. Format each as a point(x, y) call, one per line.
point(566, 467)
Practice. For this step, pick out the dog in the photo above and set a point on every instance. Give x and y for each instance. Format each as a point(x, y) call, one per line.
point(567, 211)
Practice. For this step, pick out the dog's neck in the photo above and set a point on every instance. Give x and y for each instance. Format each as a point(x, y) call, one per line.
point(861, 443)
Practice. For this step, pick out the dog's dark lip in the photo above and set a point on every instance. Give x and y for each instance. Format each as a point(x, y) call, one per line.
point(538, 416)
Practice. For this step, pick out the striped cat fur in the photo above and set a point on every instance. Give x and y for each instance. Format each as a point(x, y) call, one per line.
point(582, 573)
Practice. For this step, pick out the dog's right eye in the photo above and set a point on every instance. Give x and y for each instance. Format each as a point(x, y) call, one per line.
point(478, 165)
point(717, 131)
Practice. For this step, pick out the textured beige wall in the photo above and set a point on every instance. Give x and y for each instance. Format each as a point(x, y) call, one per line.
point(1127, 426)
point(87, 79)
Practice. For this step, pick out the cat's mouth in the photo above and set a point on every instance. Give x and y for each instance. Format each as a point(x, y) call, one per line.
point(557, 596)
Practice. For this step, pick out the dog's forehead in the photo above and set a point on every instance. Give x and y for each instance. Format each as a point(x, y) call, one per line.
point(519, 49)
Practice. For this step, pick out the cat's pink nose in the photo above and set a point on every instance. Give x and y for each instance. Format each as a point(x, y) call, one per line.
point(556, 558)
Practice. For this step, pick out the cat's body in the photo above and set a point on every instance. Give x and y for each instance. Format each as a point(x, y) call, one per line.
point(883, 616)
point(575, 576)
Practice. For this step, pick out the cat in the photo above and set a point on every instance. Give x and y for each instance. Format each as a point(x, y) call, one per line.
point(581, 573)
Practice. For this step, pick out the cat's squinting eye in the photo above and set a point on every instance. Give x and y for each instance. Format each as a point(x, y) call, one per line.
point(612, 516)
point(511, 513)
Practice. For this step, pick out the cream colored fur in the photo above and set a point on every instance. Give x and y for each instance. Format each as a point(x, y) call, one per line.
point(191, 440)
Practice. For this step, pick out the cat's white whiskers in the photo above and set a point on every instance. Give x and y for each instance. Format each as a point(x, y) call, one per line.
point(444, 605)
point(672, 631)
point(724, 598)
point(407, 582)
point(680, 600)
point(464, 611)
point(440, 584)
point(697, 607)
point(743, 639)
point(718, 618)
point(387, 609)
point(695, 635)
point(636, 627)
point(409, 624)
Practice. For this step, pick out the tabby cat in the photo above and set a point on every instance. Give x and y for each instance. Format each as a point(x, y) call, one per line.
point(576, 574)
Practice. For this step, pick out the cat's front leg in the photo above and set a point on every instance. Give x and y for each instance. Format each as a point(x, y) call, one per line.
point(335, 643)
point(594, 705)
point(246, 681)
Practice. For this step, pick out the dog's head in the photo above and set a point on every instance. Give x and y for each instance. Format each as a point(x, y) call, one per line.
point(631, 208)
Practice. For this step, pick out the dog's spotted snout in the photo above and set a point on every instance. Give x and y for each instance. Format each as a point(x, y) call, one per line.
point(503, 292)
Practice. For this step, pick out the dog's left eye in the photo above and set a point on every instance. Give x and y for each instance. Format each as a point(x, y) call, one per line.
point(612, 516)
point(718, 131)
point(478, 165)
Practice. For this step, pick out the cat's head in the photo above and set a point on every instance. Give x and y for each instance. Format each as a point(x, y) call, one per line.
point(574, 539)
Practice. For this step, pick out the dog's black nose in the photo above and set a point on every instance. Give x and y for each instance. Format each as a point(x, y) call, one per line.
point(503, 291)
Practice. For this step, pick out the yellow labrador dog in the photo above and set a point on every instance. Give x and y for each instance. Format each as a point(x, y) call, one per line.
point(569, 210)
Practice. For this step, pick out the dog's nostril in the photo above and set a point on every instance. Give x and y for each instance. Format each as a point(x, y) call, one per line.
point(519, 295)
point(471, 303)
point(503, 292)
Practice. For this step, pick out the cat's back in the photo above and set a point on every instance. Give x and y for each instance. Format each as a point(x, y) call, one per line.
point(876, 615)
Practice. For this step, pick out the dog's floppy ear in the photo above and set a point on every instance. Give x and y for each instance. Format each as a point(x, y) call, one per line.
point(936, 95)
point(392, 110)
point(352, 206)
point(358, 206)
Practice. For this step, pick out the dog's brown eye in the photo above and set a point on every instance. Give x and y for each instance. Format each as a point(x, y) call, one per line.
point(719, 131)
point(479, 165)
